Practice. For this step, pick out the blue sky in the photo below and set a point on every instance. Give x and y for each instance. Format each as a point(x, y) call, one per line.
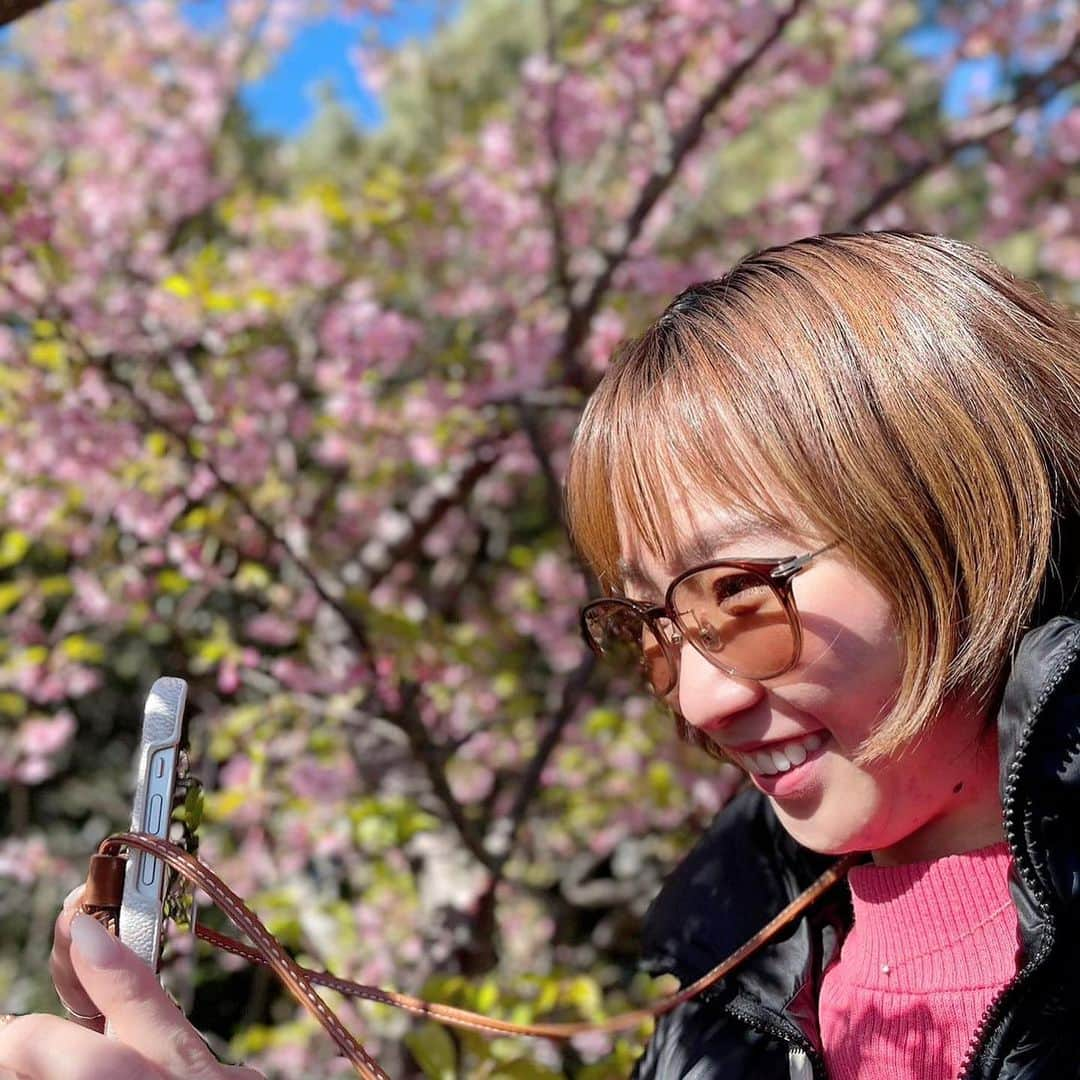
point(283, 101)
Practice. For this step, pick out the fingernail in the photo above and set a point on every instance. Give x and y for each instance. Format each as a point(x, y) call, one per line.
point(70, 898)
point(94, 942)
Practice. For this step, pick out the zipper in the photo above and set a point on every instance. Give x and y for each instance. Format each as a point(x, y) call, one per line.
point(1012, 989)
point(788, 1034)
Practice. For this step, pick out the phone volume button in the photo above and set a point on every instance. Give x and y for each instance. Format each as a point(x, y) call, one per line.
point(153, 820)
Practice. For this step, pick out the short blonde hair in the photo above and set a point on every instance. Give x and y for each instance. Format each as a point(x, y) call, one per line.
point(901, 391)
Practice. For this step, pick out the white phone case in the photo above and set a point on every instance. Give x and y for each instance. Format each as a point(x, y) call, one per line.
point(140, 915)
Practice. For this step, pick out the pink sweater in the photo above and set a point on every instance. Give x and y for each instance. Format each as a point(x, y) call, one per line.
point(932, 944)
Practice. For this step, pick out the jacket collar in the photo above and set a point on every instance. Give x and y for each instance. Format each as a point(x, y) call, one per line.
point(1039, 730)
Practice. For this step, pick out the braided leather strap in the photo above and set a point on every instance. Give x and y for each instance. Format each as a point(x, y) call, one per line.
point(301, 981)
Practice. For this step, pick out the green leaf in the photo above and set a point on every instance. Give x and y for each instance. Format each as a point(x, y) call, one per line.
point(172, 582)
point(527, 1070)
point(51, 355)
point(14, 546)
point(179, 286)
point(602, 721)
point(191, 812)
point(252, 575)
point(11, 592)
point(585, 994)
point(12, 704)
point(505, 683)
point(660, 781)
point(157, 443)
point(82, 650)
point(548, 997)
point(195, 520)
point(55, 585)
point(487, 997)
point(434, 1051)
point(521, 557)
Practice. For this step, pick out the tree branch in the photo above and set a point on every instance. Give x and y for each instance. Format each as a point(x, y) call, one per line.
point(685, 140)
point(433, 760)
point(397, 535)
point(10, 10)
point(328, 593)
point(503, 838)
point(1031, 90)
point(552, 190)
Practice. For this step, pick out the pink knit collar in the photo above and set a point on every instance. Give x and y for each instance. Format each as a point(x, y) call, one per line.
point(944, 924)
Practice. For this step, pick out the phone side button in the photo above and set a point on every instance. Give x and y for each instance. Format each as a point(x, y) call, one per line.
point(148, 869)
point(153, 819)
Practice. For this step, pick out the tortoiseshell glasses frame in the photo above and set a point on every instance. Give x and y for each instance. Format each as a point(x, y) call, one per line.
point(739, 614)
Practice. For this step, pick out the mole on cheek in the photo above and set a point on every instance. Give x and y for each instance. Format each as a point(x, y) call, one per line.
point(959, 787)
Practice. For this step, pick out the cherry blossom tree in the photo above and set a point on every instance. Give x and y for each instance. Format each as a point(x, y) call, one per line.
point(289, 419)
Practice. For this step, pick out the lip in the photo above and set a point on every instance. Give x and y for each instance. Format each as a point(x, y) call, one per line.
point(799, 779)
point(767, 744)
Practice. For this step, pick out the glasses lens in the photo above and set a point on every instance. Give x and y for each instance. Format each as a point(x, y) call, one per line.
point(736, 618)
point(618, 632)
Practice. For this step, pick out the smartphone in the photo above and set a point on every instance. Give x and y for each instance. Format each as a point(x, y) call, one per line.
point(159, 769)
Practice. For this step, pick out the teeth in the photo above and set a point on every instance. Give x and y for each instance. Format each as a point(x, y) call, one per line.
point(781, 759)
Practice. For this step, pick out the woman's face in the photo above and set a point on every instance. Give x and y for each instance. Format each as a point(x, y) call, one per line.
point(796, 735)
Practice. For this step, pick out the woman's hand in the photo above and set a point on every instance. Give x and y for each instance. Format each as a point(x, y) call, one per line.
point(68, 988)
point(153, 1039)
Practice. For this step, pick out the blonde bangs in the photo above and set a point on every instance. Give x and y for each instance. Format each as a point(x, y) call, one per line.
point(650, 435)
point(902, 393)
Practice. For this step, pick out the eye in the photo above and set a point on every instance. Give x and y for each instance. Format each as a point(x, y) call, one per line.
point(740, 594)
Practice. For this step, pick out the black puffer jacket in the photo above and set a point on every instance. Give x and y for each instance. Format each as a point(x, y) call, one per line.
point(761, 1022)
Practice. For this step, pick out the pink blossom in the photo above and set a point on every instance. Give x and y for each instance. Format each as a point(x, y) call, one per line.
point(1065, 137)
point(228, 676)
point(372, 68)
point(878, 116)
point(237, 772)
point(297, 676)
point(25, 859)
point(271, 629)
point(1062, 256)
point(311, 779)
point(45, 736)
point(33, 770)
point(31, 509)
point(607, 331)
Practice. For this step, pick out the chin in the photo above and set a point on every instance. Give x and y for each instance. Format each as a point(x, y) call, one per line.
point(822, 839)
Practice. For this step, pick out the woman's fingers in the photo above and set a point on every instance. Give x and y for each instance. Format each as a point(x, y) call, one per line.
point(140, 1013)
point(94, 972)
point(68, 988)
point(40, 1047)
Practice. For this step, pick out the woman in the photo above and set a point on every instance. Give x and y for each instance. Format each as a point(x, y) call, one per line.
point(845, 475)
point(840, 474)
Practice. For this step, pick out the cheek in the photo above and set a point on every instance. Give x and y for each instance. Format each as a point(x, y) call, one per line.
point(851, 643)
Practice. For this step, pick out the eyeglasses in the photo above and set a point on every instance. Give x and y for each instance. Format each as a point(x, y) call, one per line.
point(738, 613)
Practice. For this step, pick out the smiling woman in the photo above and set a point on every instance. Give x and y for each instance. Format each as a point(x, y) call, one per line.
point(844, 474)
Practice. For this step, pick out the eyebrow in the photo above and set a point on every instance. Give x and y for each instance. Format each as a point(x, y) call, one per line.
point(701, 547)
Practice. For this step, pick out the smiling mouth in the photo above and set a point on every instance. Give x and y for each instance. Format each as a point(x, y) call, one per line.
point(783, 757)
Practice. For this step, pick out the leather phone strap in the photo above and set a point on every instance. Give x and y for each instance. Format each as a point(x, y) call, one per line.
point(301, 982)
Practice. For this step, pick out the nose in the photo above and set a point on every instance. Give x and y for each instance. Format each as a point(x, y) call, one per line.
point(707, 697)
